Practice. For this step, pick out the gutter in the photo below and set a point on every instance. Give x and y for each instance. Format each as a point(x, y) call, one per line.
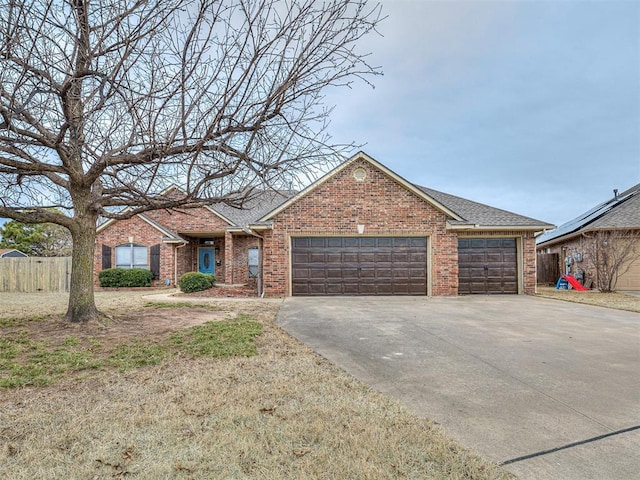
point(469, 226)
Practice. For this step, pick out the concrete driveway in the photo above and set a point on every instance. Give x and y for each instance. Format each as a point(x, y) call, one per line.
point(550, 388)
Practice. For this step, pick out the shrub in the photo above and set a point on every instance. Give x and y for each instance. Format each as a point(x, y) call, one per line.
point(125, 277)
point(196, 282)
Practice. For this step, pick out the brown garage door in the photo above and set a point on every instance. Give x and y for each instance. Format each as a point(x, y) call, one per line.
point(359, 266)
point(487, 265)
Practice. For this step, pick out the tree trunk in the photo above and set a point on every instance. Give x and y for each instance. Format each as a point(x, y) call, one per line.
point(82, 306)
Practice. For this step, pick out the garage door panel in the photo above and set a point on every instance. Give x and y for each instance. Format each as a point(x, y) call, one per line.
point(333, 258)
point(301, 273)
point(299, 258)
point(418, 257)
point(316, 242)
point(417, 273)
point(350, 289)
point(383, 257)
point(367, 257)
point(384, 272)
point(317, 273)
point(385, 242)
point(350, 273)
point(333, 242)
point(350, 242)
point(369, 272)
point(359, 266)
point(494, 257)
point(316, 258)
point(317, 288)
point(333, 272)
point(398, 257)
point(487, 265)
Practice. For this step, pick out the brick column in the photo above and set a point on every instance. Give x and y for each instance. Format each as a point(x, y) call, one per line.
point(228, 258)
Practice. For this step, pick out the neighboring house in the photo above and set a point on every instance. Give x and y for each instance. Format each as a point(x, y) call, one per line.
point(573, 242)
point(11, 253)
point(359, 230)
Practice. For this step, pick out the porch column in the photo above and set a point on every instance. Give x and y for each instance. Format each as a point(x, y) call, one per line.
point(228, 258)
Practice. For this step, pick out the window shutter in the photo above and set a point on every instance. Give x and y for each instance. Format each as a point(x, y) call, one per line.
point(106, 257)
point(154, 261)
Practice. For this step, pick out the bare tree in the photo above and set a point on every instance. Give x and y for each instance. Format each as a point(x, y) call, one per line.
point(105, 103)
point(611, 253)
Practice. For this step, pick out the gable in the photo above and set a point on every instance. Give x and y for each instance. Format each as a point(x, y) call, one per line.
point(366, 163)
point(361, 193)
point(134, 227)
point(11, 253)
point(192, 220)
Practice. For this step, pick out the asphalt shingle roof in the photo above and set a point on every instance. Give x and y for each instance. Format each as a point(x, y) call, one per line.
point(475, 213)
point(254, 208)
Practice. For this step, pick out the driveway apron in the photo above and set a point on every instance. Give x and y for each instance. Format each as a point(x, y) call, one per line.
point(550, 389)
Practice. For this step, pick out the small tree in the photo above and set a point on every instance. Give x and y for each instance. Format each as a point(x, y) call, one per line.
point(611, 253)
point(38, 239)
point(106, 103)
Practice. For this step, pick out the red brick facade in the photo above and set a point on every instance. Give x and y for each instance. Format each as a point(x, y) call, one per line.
point(385, 208)
point(231, 250)
point(336, 206)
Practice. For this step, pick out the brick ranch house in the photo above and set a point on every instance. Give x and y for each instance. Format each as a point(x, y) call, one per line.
point(359, 230)
point(573, 241)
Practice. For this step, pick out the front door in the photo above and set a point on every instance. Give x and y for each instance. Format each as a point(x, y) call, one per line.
point(206, 263)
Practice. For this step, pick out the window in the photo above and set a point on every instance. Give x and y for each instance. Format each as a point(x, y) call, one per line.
point(253, 261)
point(131, 256)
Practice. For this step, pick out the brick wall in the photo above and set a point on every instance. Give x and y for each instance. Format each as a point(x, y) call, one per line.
point(240, 260)
point(384, 207)
point(118, 233)
point(198, 220)
point(578, 245)
point(191, 220)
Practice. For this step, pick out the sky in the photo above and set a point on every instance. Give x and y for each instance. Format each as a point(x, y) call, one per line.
point(527, 105)
point(532, 106)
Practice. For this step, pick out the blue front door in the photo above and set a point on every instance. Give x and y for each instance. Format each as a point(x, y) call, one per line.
point(206, 263)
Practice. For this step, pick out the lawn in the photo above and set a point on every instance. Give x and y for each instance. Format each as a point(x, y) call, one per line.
point(620, 301)
point(213, 390)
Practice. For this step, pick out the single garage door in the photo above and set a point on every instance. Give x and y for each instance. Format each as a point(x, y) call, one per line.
point(359, 266)
point(487, 265)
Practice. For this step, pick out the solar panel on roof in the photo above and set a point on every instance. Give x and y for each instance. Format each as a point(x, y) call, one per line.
point(584, 219)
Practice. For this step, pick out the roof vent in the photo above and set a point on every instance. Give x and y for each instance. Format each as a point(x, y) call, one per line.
point(615, 193)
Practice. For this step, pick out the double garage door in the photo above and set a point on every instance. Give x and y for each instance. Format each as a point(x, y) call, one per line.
point(359, 266)
point(397, 266)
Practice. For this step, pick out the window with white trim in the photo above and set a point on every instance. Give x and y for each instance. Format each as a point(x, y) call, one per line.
point(131, 255)
point(254, 260)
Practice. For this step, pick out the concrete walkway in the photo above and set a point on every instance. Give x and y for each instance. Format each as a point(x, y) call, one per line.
point(170, 296)
point(550, 388)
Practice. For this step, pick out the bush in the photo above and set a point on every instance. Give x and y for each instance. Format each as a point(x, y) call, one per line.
point(195, 282)
point(125, 277)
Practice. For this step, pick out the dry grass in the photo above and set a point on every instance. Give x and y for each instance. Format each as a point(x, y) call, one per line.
point(618, 301)
point(285, 413)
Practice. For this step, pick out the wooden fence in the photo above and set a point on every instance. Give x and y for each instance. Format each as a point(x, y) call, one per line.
point(35, 274)
point(548, 268)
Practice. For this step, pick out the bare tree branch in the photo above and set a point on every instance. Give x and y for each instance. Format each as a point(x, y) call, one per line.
point(106, 103)
point(610, 254)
